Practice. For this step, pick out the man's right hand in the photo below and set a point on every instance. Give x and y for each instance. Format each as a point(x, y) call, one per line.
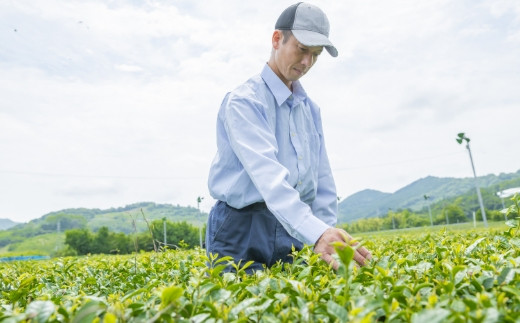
point(323, 246)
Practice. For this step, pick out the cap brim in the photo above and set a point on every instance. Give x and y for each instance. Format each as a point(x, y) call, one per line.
point(311, 38)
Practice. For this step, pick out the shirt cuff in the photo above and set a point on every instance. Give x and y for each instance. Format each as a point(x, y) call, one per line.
point(311, 229)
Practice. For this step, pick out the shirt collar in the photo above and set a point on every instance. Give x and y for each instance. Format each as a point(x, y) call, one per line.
point(280, 91)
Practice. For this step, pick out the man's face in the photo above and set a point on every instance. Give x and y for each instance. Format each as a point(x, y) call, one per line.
point(294, 59)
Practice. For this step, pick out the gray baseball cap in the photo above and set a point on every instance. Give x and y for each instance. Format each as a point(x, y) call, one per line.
point(308, 24)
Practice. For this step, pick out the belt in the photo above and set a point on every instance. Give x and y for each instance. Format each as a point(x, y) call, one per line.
point(250, 207)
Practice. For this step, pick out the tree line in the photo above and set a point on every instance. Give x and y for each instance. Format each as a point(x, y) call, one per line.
point(402, 219)
point(178, 235)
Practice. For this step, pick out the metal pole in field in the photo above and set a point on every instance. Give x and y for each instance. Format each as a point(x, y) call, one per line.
point(199, 199)
point(500, 194)
point(474, 220)
point(461, 138)
point(426, 197)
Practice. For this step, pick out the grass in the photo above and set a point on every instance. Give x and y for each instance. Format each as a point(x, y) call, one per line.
point(500, 226)
point(44, 245)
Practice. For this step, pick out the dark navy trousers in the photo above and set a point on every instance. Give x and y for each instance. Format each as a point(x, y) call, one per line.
point(250, 233)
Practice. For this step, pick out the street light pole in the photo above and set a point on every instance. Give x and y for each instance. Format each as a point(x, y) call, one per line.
point(461, 138)
point(199, 199)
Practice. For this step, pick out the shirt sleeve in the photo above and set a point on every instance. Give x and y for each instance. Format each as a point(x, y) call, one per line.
point(254, 144)
point(325, 205)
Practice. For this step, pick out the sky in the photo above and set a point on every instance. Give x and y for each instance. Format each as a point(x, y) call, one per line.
point(109, 103)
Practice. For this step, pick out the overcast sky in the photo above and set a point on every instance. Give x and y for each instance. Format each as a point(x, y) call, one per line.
point(108, 103)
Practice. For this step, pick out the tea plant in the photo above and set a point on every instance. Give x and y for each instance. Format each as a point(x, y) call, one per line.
point(446, 276)
point(513, 213)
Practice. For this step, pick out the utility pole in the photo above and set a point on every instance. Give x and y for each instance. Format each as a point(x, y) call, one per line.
point(426, 197)
point(393, 219)
point(164, 231)
point(462, 137)
point(199, 200)
point(58, 229)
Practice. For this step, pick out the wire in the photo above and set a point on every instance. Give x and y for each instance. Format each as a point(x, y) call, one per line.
point(96, 176)
point(396, 162)
point(194, 177)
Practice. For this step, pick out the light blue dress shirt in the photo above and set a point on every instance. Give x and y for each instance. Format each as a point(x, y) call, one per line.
point(270, 149)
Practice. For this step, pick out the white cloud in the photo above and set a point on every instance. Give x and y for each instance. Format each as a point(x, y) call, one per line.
point(128, 68)
point(89, 188)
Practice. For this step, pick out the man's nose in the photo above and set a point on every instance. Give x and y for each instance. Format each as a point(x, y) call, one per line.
point(308, 60)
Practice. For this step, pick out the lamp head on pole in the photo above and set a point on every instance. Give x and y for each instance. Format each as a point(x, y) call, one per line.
point(461, 137)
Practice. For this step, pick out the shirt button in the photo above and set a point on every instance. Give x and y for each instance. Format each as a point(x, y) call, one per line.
point(293, 134)
point(300, 183)
point(300, 157)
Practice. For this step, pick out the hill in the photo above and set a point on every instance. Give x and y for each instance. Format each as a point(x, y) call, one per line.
point(120, 219)
point(371, 203)
point(7, 223)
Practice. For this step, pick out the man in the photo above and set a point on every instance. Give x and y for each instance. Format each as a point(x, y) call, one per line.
point(271, 175)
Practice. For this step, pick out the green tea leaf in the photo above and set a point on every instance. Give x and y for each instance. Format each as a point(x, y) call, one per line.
point(345, 252)
point(437, 315)
point(88, 312)
point(513, 291)
point(240, 307)
point(474, 245)
point(506, 275)
point(40, 311)
point(337, 311)
point(170, 295)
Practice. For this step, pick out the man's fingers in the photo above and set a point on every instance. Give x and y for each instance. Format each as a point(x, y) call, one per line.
point(325, 248)
point(360, 259)
point(327, 257)
point(364, 252)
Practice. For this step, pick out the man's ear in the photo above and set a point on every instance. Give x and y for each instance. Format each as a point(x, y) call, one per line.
point(277, 39)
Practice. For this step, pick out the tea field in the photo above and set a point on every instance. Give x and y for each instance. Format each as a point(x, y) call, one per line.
point(446, 275)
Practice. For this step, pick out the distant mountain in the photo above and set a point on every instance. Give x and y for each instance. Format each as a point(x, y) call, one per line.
point(6, 224)
point(371, 203)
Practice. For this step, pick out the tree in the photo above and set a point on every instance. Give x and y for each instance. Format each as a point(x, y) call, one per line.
point(175, 232)
point(103, 241)
point(493, 215)
point(123, 243)
point(79, 240)
point(454, 213)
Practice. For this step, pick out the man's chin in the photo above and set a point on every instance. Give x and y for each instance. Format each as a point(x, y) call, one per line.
point(296, 77)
